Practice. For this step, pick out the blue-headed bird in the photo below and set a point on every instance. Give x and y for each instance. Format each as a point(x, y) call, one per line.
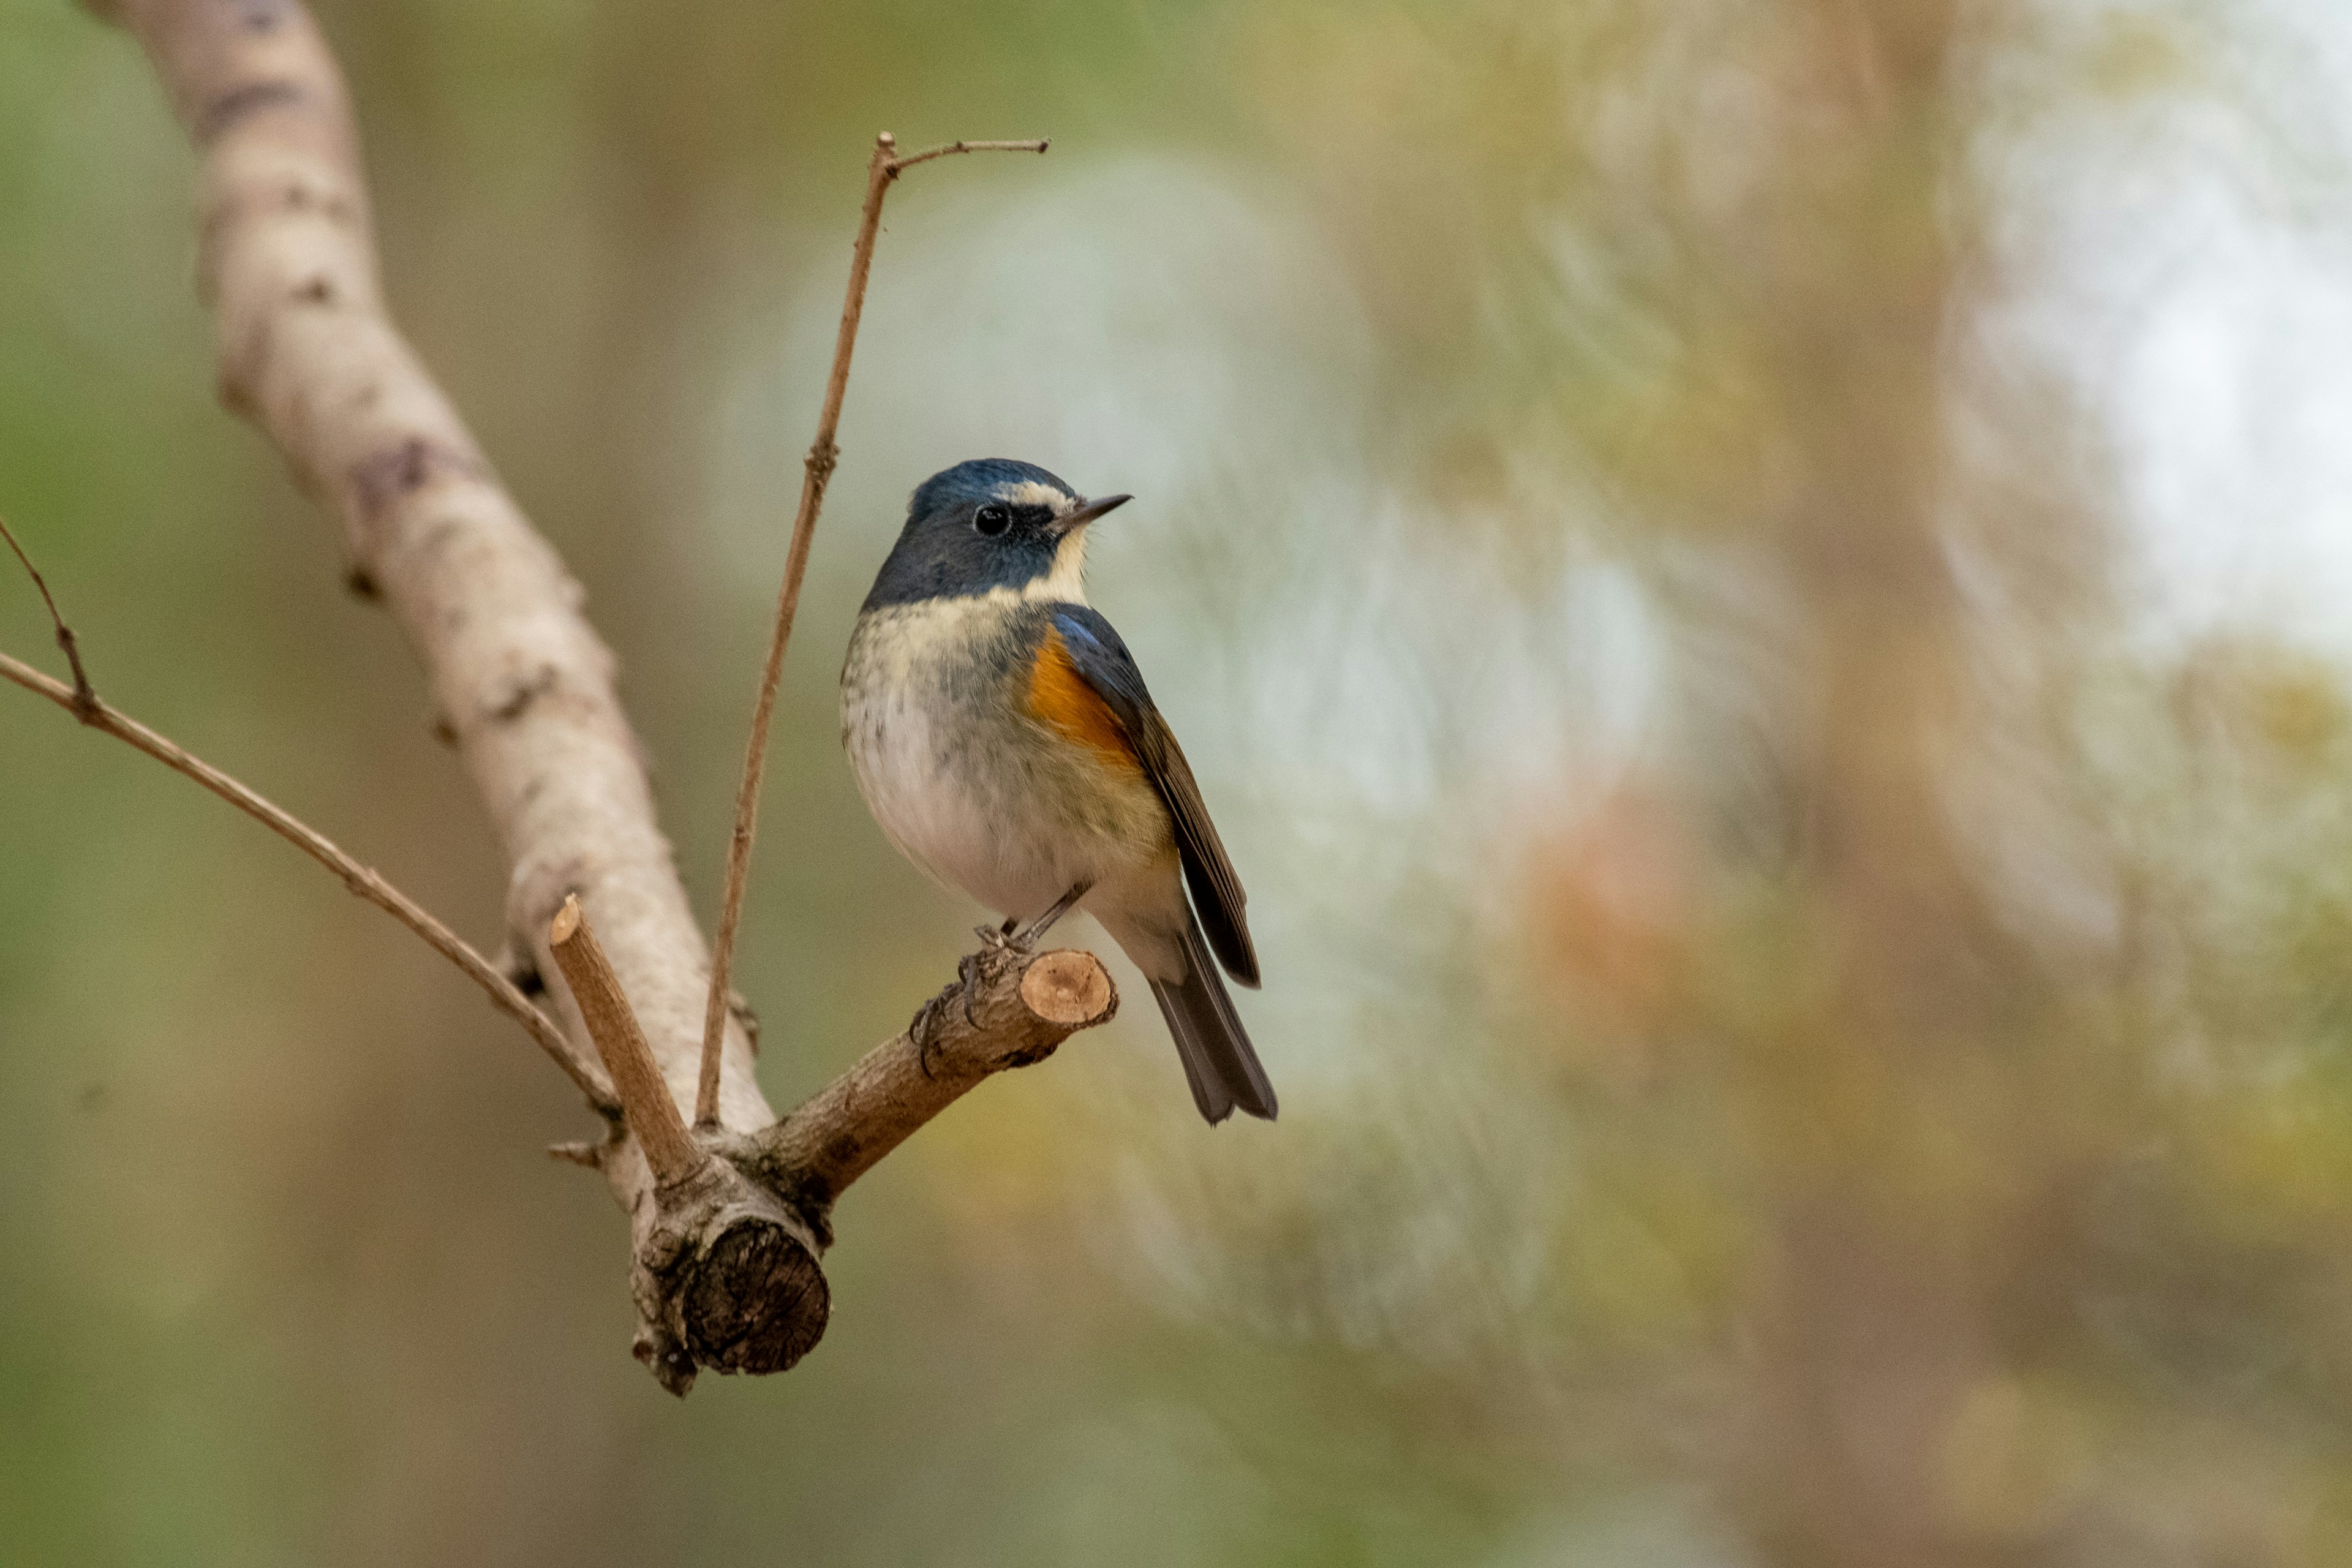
point(1005, 741)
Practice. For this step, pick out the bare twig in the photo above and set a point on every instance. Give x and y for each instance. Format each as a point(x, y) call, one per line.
point(822, 454)
point(899, 164)
point(645, 1097)
point(85, 696)
point(360, 879)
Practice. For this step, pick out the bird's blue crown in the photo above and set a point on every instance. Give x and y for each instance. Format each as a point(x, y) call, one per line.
point(976, 482)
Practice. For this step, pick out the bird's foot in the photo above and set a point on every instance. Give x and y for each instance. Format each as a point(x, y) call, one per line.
point(964, 990)
point(968, 970)
point(1011, 939)
point(925, 1030)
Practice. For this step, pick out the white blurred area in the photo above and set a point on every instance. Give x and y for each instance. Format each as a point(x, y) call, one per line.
point(1334, 656)
point(2181, 241)
point(1377, 703)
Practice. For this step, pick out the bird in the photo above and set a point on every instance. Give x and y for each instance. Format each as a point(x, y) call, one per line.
point(1006, 744)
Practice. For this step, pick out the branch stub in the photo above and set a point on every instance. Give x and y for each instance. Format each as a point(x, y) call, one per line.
point(1066, 987)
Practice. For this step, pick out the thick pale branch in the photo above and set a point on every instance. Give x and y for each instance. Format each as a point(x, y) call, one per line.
point(361, 880)
point(287, 260)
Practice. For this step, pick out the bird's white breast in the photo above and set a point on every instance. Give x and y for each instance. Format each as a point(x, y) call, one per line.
point(968, 785)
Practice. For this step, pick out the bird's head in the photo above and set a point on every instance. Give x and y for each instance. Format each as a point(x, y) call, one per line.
point(989, 524)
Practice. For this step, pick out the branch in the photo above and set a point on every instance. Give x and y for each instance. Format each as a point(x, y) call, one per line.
point(817, 471)
point(725, 1274)
point(652, 1114)
point(1005, 1009)
point(82, 702)
point(85, 696)
point(899, 165)
point(723, 1254)
point(287, 259)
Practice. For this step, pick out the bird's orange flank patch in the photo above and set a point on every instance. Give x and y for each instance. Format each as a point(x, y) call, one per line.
point(1061, 697)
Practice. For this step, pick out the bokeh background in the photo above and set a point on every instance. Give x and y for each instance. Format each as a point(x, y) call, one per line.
point(1759, 588)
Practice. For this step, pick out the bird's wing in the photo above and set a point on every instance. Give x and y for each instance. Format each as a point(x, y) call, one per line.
point(1096, 652)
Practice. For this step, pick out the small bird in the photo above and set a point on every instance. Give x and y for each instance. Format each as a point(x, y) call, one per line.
point(1004, 739)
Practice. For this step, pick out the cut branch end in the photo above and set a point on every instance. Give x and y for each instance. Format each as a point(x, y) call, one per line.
point(1069, 988)
point(646, 1099)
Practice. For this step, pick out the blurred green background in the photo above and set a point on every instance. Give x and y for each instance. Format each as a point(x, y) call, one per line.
point(1758, 590)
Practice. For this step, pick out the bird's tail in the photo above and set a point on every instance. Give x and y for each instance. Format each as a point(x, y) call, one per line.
point(1218, 1062)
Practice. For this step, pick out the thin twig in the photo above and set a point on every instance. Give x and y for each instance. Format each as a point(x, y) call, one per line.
point(360, 879)
point(613, 1025)
point(85, 696)
point(925, 156)
point(880, 170)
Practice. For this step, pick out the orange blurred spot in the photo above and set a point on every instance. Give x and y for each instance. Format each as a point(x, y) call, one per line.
point(1609, 906)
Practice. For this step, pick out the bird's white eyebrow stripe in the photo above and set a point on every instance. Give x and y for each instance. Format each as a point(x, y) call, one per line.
point(1033, 492)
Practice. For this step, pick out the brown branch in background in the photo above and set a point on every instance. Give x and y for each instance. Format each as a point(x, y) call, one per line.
point(360, 879)
point(85, 696)
point(82, 702)
point(880, 170)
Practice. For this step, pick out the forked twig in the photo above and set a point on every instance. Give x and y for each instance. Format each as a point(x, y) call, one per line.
point(928, 154)
point(83, 703)
point(880, 170)
point(85, 696)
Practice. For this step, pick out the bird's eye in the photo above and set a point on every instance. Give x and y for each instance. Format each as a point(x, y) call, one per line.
point(992, 520)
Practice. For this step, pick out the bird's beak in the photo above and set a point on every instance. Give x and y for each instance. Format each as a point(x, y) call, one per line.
point(1089, 511)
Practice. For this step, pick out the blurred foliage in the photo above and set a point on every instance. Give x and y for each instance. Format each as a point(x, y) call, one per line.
point(1806, 931)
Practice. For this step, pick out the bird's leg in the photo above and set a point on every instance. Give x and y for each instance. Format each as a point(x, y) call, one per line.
point(1012, 936)
point(1027, 937)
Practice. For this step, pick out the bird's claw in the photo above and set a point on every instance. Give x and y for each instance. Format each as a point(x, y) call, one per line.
point(964, 990)
point(1011, 939)
point(924, 1030)
point(968, 970)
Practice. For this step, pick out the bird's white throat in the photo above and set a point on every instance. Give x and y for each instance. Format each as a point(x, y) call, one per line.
point(1065, 583)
